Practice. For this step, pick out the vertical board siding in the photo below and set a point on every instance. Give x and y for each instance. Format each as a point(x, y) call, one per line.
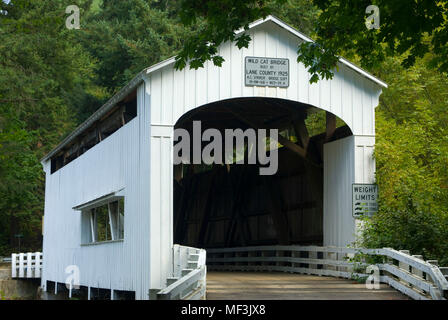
point(364, 168)
point(365, 162)
point(291, 54)
point(117, 162)
point(167, 95)
point(346, 161)
point(271, 52)
point(212, 81)
point(348, 95)
point(336, 94)
point(249, 52)
point(156, 96)
point(236, 72)
point(224, 76)
point(161, 207)
point(141, 257)
point(201, 86)
point(339, 224)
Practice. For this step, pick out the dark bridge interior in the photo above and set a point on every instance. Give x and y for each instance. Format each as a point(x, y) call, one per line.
point(223, 205)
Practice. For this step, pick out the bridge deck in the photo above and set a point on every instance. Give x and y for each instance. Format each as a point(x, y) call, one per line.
point(283, 286)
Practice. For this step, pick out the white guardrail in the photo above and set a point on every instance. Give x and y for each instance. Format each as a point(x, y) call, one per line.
point(26, 265)
point(189, 275)
point(410, 275)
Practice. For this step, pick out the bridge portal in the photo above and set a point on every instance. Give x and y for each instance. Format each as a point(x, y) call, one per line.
point(228, 203)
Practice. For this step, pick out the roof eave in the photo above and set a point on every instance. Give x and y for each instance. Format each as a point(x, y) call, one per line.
point(122, 93)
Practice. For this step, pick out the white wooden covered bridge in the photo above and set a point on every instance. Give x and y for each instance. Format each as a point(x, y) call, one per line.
point(116, 204)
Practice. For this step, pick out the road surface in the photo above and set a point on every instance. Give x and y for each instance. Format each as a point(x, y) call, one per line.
point(286, 286)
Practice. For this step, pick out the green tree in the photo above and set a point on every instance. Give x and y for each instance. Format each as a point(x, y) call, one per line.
point(412, 160)
point(215, 28)
point(407, 28)
point(411, 29)
point(125, 37)
point(42, 69)
point(53, 78)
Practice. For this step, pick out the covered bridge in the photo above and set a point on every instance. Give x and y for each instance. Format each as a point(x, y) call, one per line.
point(116, 205)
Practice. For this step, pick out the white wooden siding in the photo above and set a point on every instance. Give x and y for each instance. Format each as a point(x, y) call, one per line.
point(119, 161)
point(339, 224)
point(349, 95)
point(346, 161)
point(161, 205)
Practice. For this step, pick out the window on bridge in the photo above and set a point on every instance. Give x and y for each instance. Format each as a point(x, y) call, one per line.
point(104, 222)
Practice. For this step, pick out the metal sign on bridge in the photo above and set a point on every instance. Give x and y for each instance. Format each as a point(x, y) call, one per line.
point(266, 72)
point(364, 197)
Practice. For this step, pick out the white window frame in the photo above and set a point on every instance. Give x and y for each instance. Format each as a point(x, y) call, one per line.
point(88, 211)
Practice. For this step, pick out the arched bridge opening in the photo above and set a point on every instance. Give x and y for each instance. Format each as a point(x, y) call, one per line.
point(230, 204)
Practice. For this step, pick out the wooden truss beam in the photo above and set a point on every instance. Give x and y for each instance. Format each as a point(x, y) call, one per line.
point(278, 215)
point(330, 125)
point(302, 132)
point(286, 142)
point(206, 210)
point(238, 198)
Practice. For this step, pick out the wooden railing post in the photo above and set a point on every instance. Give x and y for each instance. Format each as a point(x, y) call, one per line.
point(404, 266)
point(312, 255)
point(418, 273)
point(21, 265)
point(295, 254)
point(278, 254)
point(433, 262)
point(14, 265)
point(350, 256)
point(263, 254)
point(29, 265)
point(37, 264)
point(330, 256)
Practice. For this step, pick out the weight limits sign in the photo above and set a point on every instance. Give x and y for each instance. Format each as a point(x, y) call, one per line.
point(365, 199)
point(266, 72)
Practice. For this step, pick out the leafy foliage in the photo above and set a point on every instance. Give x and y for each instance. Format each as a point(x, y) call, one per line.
point(53, 78)
point(215, 28)
point(340, 29)
point(125, 37)
point(41, 67)
point(406, 28)
point(412, 157)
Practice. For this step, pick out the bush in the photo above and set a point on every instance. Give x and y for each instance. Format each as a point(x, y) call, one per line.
point(417, 231)
point(411, 155)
